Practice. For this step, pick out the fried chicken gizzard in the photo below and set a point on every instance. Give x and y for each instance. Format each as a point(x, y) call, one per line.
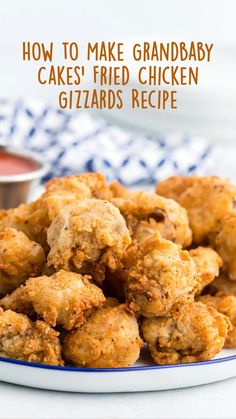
point(34, 218)
point(22, 339)
point(191, 332)
point(20, 258)
point(60, 253)
point(225, 304)
point(157, 213)
point(89, 237)
point(158, 275)
point(211, 205)
point(109, 339)
point(62, 299)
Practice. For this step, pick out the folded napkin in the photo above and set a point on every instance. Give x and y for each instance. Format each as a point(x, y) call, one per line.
point(78, 142)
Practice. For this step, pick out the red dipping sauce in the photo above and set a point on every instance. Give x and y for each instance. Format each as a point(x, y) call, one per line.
point(12, 164)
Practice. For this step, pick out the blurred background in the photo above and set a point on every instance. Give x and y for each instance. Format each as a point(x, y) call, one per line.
point(207, 110)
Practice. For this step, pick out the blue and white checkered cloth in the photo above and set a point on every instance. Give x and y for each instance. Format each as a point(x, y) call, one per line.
point(78, 142)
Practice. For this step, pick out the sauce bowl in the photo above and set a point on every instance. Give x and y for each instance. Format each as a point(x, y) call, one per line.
point(18, 170)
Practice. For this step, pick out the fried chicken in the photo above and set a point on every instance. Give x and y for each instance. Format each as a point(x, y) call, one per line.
point(109, 339)
point(22, 339)
point(193, 332)
point(88, 236)
point(207, 200)
point(158, 274)
point(225, 304)
point(35, 218)
point(164, 215)
point(20, 258)
point(225, 244)
point(81, 232)
point(87, 185)
point(221, 283)
point(65, 298)
point(119, 191)
point(18, 301)
point(208, 264)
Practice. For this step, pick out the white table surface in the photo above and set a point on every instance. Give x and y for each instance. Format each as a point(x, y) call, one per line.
point(210, 401)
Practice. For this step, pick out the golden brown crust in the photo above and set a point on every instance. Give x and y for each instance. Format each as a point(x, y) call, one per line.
point(19, 258)
point(225, 244)
point(225, 304)
point(22, 339)
point(34, 218)
point(88, 236)
point(174, 186)
point(208, 264)
point(65, 298)
point(86, 185)
point(221, 283)
point(119, 191)
point(164, 215)
point(109, 339)
point(159, 273)
point(131, 244)
point(18, 301)
point(207, 200)
point(193, 332)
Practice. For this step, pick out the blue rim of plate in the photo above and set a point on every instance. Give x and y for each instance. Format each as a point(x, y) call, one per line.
point(137, 368)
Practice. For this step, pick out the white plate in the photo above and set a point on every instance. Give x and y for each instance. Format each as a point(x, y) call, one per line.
point(138, 378)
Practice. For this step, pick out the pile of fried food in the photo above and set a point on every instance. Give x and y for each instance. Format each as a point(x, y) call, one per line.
point(90, 271)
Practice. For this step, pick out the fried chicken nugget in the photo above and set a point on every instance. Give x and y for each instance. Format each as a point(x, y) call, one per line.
point(18, 301)
point(164, 215)
point(193, 332)
point(19, 258)
point(225, 244)
point(64, 299)
point(119, 191)
point(208, 264)
point(109, 339)
point(207, 200)
point(87, 185)
point(88, 236)
point(225, 304)
point(22, 339)
point(34, 218)
point(221, 283)
point(158, 274)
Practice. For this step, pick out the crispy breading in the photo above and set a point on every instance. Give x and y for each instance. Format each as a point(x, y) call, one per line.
point(207, 200)
point(225, 304)
point(34, 218)
point(22, 339)
point(158, 274)
point(193, 332)
point(221, 283)
point(164, 215)
point(88, 236)
point(65, 298)
point(130, 244)
point(174, 186)
point(85, 185)
point(18, 301)
point(225, 244)
point(119, 191)
point(208, 264)
point(109, 339)
point(20, 258)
